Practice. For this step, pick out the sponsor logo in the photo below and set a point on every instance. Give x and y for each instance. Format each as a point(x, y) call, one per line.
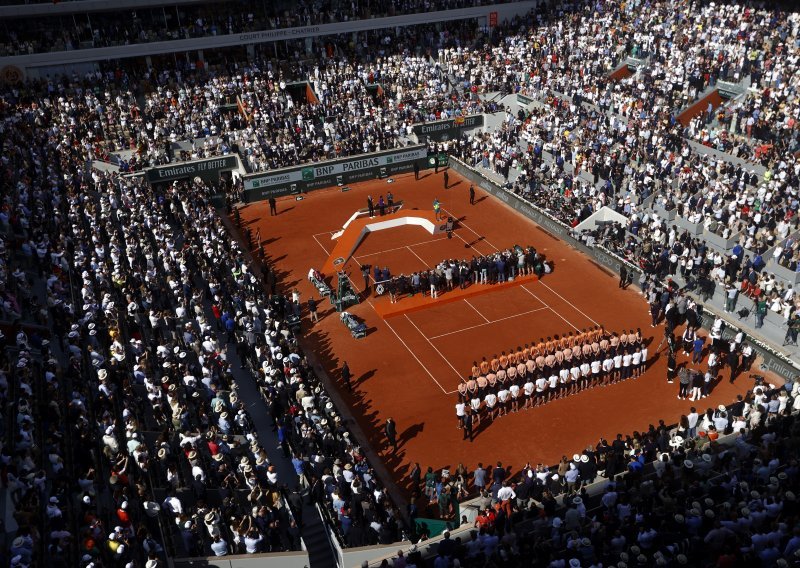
point(307, 174)
point(407, 156)
point(338, 261)
point(606, 260)
point(11, 74)
point(280, 34)
point(777, 367)
point(429, 128)
point(361, 164)
point(269, 180)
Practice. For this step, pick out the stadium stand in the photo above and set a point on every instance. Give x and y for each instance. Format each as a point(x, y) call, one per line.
point(126, 439)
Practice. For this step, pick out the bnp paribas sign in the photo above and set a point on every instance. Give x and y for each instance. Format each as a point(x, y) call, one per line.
point(332, 173)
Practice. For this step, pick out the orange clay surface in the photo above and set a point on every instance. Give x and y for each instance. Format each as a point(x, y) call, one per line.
point(409, 365)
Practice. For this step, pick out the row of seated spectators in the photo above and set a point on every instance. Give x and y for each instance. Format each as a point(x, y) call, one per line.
point(143, 25)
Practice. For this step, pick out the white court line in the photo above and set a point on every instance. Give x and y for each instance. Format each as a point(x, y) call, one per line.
point(468, 244)
point(329, 233)
point(461, 223)
point(418, 256)
point(320, 244)
point(490, 322)
point(551, 309)
point(413, 354)
point(476, 310)
point(435, 348)
point(570, 303)
point(398, 248)
point(353, 284)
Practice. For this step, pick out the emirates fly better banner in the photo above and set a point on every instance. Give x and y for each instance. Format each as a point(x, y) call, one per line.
point(300, 179)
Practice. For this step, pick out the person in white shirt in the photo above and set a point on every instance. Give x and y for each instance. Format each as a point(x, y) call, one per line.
point(514, 390)
point(596, 366)
point(692, 418)
point(529, 388)
point(476, 406)
point(552, 386)
point(541, 387)
point(506, 495)
point(219, 547)
point(252, 541)
point(491, 402)
point(636, 363)
point(617, 367)
point(608, 369)
point(575, 375)
point(572, 477)
point(460, 412)
point(626, 365)
point(502, 401)
point(586, 371)
point(563, 381)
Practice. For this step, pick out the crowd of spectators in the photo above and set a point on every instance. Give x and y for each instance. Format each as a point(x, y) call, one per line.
point(128, 421)
point(261, 109)
point(146, 293)
point(144, 25)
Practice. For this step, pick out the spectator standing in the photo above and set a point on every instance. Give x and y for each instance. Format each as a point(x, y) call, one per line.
point(468, 425)
point(346, 376)
point(390, 429)
point(733, 364)
point(312, 309)
point(792, 329)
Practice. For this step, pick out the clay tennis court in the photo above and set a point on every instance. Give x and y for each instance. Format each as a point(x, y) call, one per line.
point(409, 365)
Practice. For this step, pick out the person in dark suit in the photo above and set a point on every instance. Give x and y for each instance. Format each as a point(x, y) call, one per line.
point(365, 274)
point(346, 375)
point(390, 429)
point(273, 207)
point(416, 477)
point(471, 194)
point(446, 179)
point(733, 364)
point(468, 419)
point(189, 537)
point(416, 171)
point(370, 206)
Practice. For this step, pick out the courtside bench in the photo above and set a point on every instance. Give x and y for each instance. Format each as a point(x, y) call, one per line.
point(357, 329)
point(318, 280)
point(323, 289)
